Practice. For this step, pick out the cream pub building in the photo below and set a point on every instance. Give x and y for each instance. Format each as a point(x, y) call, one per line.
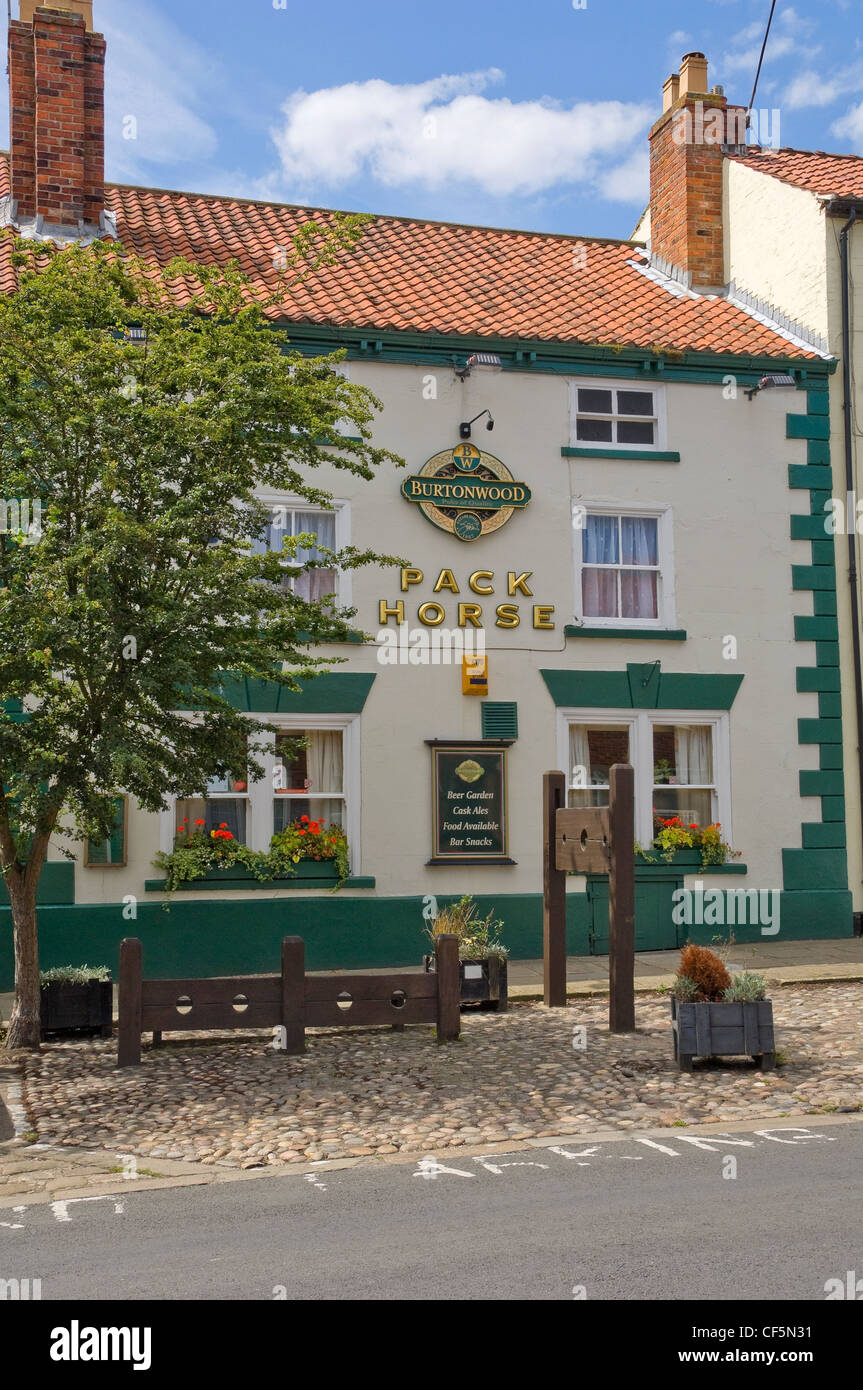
point(636, 548)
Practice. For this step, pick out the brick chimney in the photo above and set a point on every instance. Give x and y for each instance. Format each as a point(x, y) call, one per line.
point(57, 115)
point(687, 145)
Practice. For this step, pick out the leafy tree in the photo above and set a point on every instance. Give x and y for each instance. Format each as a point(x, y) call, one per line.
point(141, 410)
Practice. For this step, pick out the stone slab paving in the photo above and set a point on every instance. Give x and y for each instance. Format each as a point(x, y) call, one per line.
point(228, 1101)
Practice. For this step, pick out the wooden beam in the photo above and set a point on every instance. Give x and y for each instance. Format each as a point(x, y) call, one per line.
point(621, 901)
point(553, 895)
point(129, 1003)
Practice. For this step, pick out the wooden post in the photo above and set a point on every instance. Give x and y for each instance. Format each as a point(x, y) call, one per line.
point(294, 994)
point(621, 901)
point(448, 989)
point(553, 896)
point(129, 1003)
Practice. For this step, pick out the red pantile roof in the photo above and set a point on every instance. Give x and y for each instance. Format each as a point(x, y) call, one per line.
point(829, 175)
point(443, 278)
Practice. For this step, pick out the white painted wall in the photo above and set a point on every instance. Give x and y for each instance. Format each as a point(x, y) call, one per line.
point(730, 503)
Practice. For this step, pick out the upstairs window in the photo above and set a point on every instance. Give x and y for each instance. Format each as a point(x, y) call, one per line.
point(623, 566)
point(285, 520)
point(614, 416)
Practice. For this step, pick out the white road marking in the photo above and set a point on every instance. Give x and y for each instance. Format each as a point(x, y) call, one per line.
point(583, 1153)
point(315, 1181)
point(663, 1148)
point(794, 1129)
point(61, 1208)
point(430, 1168)
point(716, 1138)
point(517, 1163)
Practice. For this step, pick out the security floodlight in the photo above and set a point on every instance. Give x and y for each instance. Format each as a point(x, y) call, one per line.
point(772, 379)
point(485, 361)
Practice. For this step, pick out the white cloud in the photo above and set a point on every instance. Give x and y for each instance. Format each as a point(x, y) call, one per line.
point(157, 75)
point(850, 126)
point(629, 182)
point(445, 132)
point(746, 60)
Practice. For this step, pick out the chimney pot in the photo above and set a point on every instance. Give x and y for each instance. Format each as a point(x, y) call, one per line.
point(693, 73)
point(670, 90)
point(82, 7)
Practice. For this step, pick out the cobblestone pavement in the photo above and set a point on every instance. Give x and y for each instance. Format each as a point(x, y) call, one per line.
point(230, 1100)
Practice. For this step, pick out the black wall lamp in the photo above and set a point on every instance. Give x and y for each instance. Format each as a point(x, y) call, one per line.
point(464, 427)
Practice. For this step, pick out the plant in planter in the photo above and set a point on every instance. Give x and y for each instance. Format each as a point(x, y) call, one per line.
point(310, 841)
point(674, 841)
point(716, 1014)
point(198, 853)
point(76, 996)
point(482, 955)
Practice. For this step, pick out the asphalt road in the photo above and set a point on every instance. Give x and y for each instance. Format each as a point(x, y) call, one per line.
point(618, 1219)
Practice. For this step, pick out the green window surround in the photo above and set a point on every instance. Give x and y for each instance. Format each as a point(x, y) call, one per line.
point(650, 634)
point(632, 455)
point(641, 686)
point(331, 693)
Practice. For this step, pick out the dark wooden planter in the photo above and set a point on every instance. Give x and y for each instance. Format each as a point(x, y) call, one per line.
point(67, 1006)
point(481, 981)
point(723, 1030)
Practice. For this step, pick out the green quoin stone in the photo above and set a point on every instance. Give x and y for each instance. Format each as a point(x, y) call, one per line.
point(830, 757)
point(814, 629)
point(814, 868)
point(824, 603)
point(829, 836)
point(817, 678)
point(829, 704)
point(818, 402)
point(801, 475)
point(832, 808)
point(827, 653)
point(817, 451)
point(825, 783)
point(813, 577)
point(809, 528)
point(819, 730)
point(807, 427)
point(823, 552)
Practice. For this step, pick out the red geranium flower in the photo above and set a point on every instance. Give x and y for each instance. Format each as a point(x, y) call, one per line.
point(304, 820)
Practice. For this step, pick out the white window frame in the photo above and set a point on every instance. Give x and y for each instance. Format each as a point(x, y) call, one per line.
point(665, 608)
point(659, 416)
point(640, 726)
point(259, 813)
point(342, 510)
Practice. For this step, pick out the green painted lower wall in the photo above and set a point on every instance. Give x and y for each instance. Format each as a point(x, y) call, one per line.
point(223, 938)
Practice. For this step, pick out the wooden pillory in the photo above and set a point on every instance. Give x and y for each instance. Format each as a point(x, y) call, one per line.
point(292, 1000)
point(592, 840)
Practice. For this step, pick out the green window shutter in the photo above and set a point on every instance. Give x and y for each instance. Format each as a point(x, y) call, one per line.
point(112, 852)
point(499, 719)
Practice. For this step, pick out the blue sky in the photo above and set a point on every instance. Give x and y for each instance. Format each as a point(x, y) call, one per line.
point(487, 111)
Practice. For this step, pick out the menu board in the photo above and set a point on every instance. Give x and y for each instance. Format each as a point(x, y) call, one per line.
point(469, 784)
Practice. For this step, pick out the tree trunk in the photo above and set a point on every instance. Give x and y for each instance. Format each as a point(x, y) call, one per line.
point(24, 1025)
